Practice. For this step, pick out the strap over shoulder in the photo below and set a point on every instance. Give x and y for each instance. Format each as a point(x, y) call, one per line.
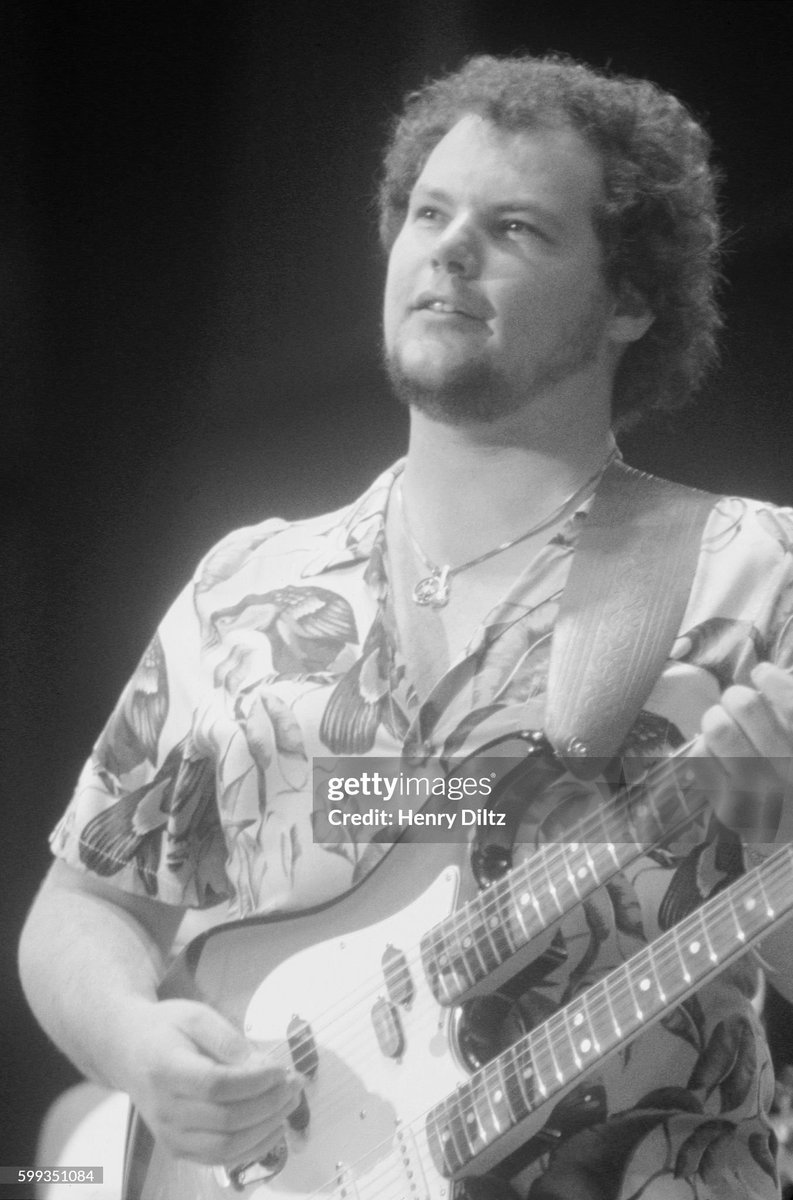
point(620, 612)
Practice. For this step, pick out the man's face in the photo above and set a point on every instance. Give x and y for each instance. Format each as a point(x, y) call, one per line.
point(495, 291)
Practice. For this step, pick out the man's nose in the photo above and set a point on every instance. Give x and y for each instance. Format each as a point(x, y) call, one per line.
point(457, 250)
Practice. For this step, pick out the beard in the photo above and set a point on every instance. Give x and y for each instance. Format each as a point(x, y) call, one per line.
point(478, 391)
point(473, 392)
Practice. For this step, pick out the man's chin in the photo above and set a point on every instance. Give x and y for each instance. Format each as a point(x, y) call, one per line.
point(471, 393)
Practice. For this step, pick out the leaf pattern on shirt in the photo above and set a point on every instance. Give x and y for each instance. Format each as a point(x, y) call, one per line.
point(362, 699)
point(132, 734)
point(274, 738)
point(307, 627)
point(728, 1062)
point(180, 799)
point(704, 871)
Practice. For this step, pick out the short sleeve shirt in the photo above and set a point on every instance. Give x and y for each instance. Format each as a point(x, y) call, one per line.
point(283, 648)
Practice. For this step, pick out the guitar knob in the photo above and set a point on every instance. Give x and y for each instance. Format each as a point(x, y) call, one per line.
point(490, 862)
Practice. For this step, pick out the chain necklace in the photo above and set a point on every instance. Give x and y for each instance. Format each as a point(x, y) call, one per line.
point(433, 590)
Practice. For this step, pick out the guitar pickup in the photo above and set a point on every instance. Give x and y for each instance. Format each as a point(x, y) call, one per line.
point(302, 1047)
point(398, 980)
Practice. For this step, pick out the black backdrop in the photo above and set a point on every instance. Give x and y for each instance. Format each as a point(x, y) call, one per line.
point(190, 320)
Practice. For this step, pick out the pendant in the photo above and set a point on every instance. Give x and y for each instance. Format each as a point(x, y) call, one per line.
point(433, 592)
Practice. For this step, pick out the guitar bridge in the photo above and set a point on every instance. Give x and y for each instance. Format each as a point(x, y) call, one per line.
point(253, 1172)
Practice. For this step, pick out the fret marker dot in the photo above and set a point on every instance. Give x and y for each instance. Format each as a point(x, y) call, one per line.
point(582, 872)
point(470, 1118)
point(574, 846)
point(694, 947)
point(750, 903)
point(494, 922)
point(586, 1046)
point(498, 1096)
point(578, 1019)
point(467, 942)
point(525, 899)
point(644, 984)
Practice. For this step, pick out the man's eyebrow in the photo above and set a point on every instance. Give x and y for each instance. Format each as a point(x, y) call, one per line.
point(519, 204)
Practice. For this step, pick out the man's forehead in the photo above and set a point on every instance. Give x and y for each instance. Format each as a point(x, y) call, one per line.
point(476, 150)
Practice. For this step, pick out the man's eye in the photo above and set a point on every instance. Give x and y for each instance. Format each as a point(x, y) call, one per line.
point(515, 225)
point(426, 212)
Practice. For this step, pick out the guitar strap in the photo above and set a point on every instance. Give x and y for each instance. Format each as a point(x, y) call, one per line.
point(621, 609)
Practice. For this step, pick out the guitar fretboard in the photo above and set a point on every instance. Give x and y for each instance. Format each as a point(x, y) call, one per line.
point(545, 1062)
point(486, 932)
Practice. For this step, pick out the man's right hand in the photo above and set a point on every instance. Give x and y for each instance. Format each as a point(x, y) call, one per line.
point(205, 1092)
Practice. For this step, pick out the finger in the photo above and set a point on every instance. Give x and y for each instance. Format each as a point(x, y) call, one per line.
point(776, 688)
point(723, 725)
point(222, 1134)
point(239, 1115)
point(211, 1033)
point(261, 1082)
point(764, 716)
point(223, 1149)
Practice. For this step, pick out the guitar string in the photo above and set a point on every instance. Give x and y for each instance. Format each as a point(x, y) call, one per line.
point(372, 989)
point(369, 990)
point(623, 798)
point(720, 917)
point(721, 909)
point(364, 1185)
point(416, 959)
point(535, 871)
point(587, 831)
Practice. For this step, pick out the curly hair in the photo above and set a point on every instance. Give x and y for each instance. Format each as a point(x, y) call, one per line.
point(658, 223)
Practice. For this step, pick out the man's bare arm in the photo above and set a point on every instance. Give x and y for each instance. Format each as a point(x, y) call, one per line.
point(91, 958)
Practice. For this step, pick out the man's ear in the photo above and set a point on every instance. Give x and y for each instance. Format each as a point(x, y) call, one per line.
point(631, 316)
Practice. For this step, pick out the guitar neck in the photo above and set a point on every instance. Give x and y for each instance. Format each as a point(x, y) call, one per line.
point(502, 1095)
point(472, 944)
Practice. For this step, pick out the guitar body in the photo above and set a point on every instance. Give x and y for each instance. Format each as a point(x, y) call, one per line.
point(342, 986)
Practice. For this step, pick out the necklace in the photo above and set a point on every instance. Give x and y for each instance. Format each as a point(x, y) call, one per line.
point(433, 590)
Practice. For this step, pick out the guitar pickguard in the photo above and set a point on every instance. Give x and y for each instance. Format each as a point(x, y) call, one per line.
point(371, 1058)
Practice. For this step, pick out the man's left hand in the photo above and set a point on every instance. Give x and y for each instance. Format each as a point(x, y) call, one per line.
point(750, 733)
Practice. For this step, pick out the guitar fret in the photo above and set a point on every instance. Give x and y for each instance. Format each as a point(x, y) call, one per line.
point(740, 933)
point(712, 955)
point(524, 1072)
point(519, 895)
point(544, 1030)
point(654, 967)
point(610, 1004)
point(554, 893)
point(769, 908)
point(571, 1039)
point(571, 874)
point(636, 1008)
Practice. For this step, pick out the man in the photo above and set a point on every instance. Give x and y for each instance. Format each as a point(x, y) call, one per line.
point(552, 240)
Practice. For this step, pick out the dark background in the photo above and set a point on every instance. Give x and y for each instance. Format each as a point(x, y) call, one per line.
point(191, 295)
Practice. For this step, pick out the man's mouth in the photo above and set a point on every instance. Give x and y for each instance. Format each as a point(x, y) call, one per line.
point(429, 302)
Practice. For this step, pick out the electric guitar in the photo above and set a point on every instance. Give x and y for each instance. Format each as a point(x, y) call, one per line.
point(358, 993)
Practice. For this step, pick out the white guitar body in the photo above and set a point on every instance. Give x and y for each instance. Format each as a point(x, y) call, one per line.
point(324, 969)
point(359, 1095)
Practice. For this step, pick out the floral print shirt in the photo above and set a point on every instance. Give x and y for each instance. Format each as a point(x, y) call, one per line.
point(283, 647)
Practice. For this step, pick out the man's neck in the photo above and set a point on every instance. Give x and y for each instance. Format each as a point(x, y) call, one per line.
point(467, 488)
